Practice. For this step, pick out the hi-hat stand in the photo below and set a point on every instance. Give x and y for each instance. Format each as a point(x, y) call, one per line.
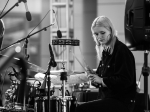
point(145, 72)
point(63, 74)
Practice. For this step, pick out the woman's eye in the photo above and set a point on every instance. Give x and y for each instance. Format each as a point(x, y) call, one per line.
point(102, 33)
point(96, 34)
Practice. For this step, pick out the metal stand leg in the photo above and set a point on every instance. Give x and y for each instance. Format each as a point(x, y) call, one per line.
point(145, 72)
point(63, 78)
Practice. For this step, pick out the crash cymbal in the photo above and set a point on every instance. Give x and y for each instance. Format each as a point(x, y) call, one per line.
point(71, 79)
point(30, 66)
point(35, 68)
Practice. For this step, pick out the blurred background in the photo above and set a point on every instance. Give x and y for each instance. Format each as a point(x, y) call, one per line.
point(74, 19)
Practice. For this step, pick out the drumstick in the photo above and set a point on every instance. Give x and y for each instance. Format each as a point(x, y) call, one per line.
point(79, 61)
point(83, 57)
point(82, 64)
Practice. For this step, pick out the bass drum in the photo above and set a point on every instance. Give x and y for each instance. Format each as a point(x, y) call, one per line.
point(56, 104)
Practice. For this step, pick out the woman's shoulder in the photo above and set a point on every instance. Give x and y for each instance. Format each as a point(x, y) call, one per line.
point(121, 46)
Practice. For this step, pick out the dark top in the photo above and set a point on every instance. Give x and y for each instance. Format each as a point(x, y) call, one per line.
point(118, 73)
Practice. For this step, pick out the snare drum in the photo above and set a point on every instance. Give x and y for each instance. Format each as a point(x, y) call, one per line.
point(56, 104)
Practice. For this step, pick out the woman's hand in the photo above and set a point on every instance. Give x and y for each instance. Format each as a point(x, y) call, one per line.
point(93, 76)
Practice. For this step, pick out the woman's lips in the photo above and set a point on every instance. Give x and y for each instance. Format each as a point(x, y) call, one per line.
point(101, 40)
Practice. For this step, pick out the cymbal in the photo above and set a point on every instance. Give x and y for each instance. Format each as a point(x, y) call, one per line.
point(31, 66)
point(71, 79)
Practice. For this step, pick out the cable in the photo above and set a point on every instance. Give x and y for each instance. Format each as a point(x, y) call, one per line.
point(4, 7)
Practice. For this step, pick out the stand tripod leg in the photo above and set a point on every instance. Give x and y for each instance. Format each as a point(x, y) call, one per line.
point(63, 96)
point(145, 72)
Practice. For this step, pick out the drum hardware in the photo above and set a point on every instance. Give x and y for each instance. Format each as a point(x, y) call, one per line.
point(30, 65)
point(63, 74)
point(47, 78)
point(56, 104)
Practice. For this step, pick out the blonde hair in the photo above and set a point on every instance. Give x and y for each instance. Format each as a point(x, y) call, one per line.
point(102, 21)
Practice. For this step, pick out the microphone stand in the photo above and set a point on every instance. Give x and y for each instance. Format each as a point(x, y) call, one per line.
point(48, 79)
point(25, 50)
point(52, 63)
point(16, 4)
point(45, 28)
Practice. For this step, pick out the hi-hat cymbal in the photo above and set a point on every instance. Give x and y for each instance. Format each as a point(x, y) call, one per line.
point(71, 79)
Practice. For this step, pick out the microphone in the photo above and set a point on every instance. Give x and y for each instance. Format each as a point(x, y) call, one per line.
point(28, 14)
point(53, 64)
point(59, 34)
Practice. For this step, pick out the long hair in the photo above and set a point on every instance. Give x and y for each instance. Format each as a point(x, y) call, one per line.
point(102, 21)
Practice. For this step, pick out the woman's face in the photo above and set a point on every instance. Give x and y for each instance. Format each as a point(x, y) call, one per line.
point(101, 34)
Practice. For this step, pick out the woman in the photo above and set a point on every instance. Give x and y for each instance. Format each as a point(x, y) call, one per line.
point(115, 76)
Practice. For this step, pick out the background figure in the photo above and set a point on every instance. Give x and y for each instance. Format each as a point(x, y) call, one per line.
point(115, 76)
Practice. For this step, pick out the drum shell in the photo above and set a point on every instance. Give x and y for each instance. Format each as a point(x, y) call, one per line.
point(30, 93)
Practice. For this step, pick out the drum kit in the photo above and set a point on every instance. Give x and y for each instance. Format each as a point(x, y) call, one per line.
point(36, 98)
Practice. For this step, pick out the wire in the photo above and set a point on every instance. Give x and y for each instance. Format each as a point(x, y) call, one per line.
point(4, 7)
point(56, 21)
